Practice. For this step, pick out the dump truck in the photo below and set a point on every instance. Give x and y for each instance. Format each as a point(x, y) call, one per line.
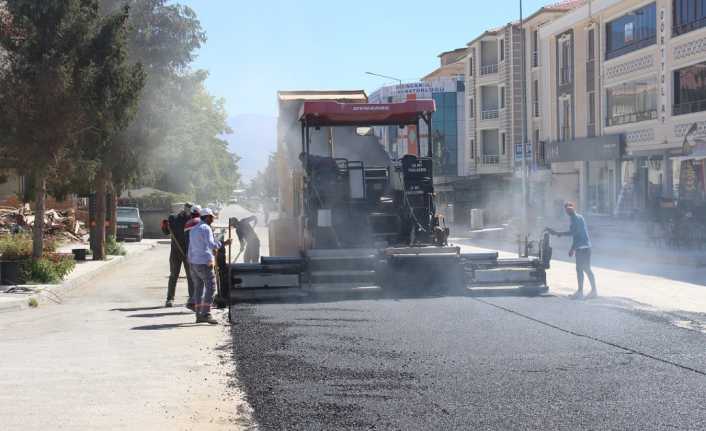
point(354, 219)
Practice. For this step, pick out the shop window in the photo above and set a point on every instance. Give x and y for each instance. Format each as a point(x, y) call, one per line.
point(632, 31)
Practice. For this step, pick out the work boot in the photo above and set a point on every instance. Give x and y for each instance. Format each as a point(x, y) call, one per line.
point(577, 295)
point(169, 303)
point(206, 318)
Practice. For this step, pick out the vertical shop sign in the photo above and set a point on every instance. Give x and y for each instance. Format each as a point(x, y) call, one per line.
point(662, 65)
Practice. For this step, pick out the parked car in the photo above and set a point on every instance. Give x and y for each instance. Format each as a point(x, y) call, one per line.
point(130, 225)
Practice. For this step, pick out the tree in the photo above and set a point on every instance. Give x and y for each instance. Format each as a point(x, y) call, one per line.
point(163, 38)
point(112, 99)
point(194, 159)
point(265, 184)
point(41, 88)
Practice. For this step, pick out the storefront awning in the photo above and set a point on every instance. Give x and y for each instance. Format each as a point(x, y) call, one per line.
point(698, 153)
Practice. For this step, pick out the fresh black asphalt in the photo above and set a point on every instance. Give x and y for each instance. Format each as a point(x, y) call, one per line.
point(448, 363)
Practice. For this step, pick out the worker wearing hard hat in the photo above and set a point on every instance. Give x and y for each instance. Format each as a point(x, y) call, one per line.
point(249, 240)
point(174, 227)
point(202, 261)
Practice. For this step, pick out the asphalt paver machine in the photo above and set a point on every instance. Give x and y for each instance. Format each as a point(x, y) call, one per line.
point(359, 220)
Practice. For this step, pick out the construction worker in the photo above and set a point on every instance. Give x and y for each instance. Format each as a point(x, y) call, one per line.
point(178, 254)
point(249, 240)
point(202, 261)
point(193, 221)
point(581, 247)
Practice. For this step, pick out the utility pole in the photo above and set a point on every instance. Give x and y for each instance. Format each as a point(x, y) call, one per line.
point(525, 188)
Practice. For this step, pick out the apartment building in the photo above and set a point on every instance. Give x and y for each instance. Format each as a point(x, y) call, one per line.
point(539, 172)
point(626, 82)
point(494, 107)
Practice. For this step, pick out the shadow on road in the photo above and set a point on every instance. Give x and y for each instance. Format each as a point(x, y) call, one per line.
point(165, 326)
point(159, 307)
point(173, 313)
point(396, 295)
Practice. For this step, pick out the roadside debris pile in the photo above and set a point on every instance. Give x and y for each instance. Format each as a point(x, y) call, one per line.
point(61, 225)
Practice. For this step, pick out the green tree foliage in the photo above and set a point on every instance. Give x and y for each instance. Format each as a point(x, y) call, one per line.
point(194, 159)
point(174, 144)
point(265, 184)
point(51, 67)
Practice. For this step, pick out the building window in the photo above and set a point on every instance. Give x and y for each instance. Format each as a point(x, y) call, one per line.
point(535, 48)
point(591, 115)
point(502, 97)
point(445, 133)
point(688, 15)
point(503, 143)
point(690, 89)
point(471, 108)
point(632, 102)
point(502, 49)
point(470, 66)
point(564, 118)
point(632, 31)
point(535, 98)
point(473, 148)
point(591, 54)
point(565, 61)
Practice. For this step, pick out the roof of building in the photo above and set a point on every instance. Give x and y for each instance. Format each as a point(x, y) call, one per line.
point(330, 113)
point(452, 69)
point(460, 51)
point(342, 95)
point(560, 6)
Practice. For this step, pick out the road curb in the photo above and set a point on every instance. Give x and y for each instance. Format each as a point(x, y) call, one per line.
point(56, 293)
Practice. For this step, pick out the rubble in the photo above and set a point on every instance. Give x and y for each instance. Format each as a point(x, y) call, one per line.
point(58, 225)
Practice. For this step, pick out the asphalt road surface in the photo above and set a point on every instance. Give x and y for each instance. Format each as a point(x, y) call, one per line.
point(445, 363)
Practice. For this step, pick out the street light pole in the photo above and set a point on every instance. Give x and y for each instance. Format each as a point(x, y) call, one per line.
point(523, 72)
point(385, 76)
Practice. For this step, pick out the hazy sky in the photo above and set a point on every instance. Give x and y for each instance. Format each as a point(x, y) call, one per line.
point(255, 48)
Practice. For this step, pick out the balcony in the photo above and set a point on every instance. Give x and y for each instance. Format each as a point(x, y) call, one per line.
point(489, 114)
point(490, 159)
point(492, 164)
point(633, 46)
point(688, 26)
point(633, 117)
point(689, 107)
point(489, 69)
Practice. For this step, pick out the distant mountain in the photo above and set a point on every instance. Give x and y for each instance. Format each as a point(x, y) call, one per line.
point(254, 138)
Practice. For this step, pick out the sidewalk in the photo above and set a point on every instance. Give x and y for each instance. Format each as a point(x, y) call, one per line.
point(676, 289)
point(622, 241)
point(15, 298)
